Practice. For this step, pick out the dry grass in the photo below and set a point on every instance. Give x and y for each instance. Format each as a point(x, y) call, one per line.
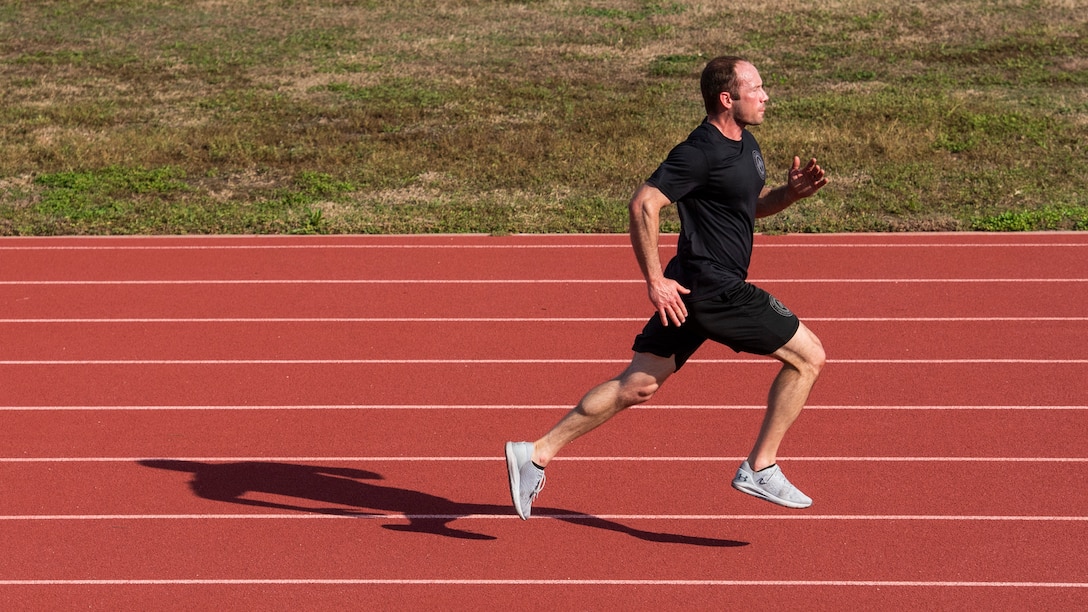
point(501, 116)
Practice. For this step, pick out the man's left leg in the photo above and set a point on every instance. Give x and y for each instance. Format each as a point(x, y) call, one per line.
point(525, 461)
point(802, 359)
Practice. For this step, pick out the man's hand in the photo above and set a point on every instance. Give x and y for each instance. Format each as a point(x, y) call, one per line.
point(665, 295)
point(803, 182)
point(800, 183)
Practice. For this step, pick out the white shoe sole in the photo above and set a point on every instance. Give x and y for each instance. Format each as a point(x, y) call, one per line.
point(514, 471)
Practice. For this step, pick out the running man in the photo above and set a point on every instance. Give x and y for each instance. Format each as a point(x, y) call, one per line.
point(716, 177)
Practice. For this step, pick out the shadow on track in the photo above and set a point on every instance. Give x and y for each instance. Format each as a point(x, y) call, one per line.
point(338, 491)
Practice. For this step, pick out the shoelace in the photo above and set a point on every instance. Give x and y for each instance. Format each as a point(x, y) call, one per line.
point(539, 486)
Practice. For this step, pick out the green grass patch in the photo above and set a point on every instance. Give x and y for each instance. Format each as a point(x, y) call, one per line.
point(1046, 218)
point(279, 116)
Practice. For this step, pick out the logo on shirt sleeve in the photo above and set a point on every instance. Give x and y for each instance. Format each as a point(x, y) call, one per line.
point(760, 168)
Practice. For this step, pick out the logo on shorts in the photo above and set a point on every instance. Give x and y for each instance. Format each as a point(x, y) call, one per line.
point(760, 168)
point(779, 307)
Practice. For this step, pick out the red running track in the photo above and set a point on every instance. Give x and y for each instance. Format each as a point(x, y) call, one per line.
point(287, 423)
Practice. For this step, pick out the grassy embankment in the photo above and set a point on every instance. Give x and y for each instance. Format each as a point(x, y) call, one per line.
point(262, 116)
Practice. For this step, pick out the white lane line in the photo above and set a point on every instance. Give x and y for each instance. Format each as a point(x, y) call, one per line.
point(546, 582)
point(111, 320)
point(497, 458)
point(621, 244)
point(126, 362)
point(383, 320)
point(346, 513)
point(509, 281)
point(455, 407)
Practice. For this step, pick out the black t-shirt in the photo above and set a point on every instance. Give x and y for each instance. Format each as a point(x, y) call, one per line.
point(715, 183)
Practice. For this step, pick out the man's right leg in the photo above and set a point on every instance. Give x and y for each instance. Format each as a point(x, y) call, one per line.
point(635, 385)
point(525, 461)
point(802, 359)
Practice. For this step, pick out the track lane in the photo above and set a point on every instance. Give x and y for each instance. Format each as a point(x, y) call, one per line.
point(710, 550)
point(479, 432)
point(385, 260)
point(670, 493)
point(473, 596)
point(97, 341)
point(522, 300)
point(548, 383)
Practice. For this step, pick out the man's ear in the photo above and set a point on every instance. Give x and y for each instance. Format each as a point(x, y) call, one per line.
point(725, 99)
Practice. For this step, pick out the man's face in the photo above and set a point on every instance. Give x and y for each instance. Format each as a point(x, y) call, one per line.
point(749, 107)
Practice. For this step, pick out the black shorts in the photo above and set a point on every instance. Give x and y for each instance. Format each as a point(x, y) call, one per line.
point(745, 318)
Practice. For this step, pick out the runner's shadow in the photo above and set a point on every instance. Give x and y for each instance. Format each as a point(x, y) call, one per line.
point(351, 492)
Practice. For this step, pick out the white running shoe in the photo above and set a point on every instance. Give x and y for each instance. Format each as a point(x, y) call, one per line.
point(770, 484)
point(526, 479)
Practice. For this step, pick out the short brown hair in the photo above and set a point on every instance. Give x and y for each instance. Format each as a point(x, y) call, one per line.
point(719, 75)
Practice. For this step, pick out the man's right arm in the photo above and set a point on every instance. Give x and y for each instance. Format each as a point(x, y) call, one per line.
point(645, 223)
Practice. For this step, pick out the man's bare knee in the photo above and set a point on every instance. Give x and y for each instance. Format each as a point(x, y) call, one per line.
point(805, 353)
point(641, 380)
point(634, 392)
point(815, 358)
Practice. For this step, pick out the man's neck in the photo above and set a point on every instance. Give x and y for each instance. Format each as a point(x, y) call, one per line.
point(726, 125)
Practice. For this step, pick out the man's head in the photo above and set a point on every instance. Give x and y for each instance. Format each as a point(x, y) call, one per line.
point(733, 84)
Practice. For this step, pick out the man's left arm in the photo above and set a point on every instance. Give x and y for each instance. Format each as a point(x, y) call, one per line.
point(800, 184)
